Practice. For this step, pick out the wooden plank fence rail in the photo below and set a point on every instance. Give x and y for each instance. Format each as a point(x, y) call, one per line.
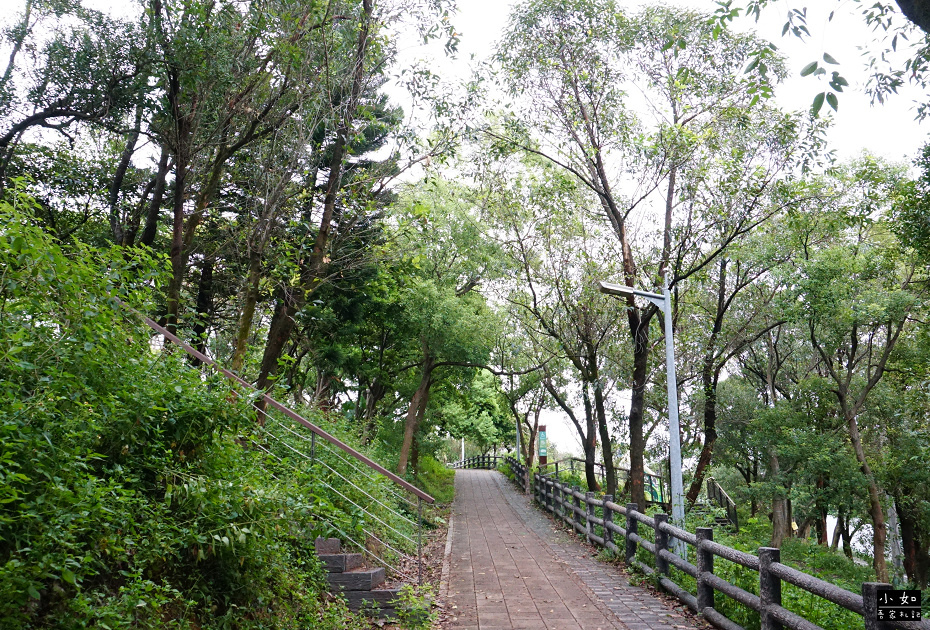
point(605, 523)
point(481, 461)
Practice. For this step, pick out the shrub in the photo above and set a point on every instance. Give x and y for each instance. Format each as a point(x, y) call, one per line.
point(127, 497)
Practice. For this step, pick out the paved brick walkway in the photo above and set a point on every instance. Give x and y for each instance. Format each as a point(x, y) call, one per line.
point(511, 568)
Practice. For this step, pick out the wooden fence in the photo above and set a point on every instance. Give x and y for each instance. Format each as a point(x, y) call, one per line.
point(617, 528)
point(656, 492)
point(481, 461)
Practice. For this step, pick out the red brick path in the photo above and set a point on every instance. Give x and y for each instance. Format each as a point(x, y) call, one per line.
point(511, 568)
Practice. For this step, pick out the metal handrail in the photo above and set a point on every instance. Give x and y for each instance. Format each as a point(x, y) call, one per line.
point(345, 535)
point(302, 454)
point(293, 415)
point(313, 458)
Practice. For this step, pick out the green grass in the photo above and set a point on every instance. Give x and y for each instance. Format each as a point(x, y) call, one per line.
point(436, 480)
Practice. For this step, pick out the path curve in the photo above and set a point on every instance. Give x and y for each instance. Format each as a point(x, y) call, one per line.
point(509, 567)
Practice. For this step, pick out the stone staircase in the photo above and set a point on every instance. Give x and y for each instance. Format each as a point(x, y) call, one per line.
point(704, 509)
point(348, 575)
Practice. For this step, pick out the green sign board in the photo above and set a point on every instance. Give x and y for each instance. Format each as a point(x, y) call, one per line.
point(542, 443)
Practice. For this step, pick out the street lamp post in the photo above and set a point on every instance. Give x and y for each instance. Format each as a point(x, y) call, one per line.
point(664, 302)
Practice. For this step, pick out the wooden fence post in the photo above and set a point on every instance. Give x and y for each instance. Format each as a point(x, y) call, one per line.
point(589, 515)
point(705, 564)
point(608, 518)
point(577, 503)
point(632, 527)
point(870, 605)
point(661, 543)
point(769, 587)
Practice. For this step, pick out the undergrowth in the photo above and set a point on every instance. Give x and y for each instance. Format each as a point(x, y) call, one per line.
point(138, 492)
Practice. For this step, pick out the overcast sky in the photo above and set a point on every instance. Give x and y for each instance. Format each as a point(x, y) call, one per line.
point(887, 130)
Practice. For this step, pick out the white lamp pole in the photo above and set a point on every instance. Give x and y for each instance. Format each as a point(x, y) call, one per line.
point(664, 301)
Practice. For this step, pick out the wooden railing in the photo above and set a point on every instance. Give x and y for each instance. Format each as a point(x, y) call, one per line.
point(719, 496)
point(655, 490)
point(518, 470)
point(481, 461)
point(616, 527)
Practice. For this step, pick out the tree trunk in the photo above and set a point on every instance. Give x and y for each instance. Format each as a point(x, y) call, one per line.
point(780, 524)
point(279, 333)
point(415, 412)
point(117, 226)
point(250, 299)
point(182, 156)
point(710, 374)
point(150, 230)
point(606, 446)
point(710, 432)
point(835, 541)
point(876, 511)
point(204, 306)
point(590, 444)
point(282, 322)
point(847, 537)
point(373, 395)
point(916, 546)
point(639, 329)
point(530, 451)
point(821, 514)
point(177, 242)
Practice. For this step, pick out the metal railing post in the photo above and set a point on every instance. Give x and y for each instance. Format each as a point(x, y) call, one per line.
point(705, 564)
point(419, 541)
point(632, 525)
point(661, 543)
point(312, 447)
point(770, 588)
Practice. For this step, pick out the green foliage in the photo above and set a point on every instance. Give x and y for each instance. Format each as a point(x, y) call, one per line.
point(415, 607)
point(127, 500)
point(436, 480)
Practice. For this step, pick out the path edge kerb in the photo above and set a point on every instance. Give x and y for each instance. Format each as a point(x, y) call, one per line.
point(446, 556)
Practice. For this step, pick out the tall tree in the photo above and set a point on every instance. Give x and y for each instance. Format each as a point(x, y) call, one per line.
point(448, 317)
point(572, 65)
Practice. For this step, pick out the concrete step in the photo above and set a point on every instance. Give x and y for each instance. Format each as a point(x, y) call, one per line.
point(357, 579)
point(341, 562)
point(381, 598)
point(380, 603)
point(328, 546)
